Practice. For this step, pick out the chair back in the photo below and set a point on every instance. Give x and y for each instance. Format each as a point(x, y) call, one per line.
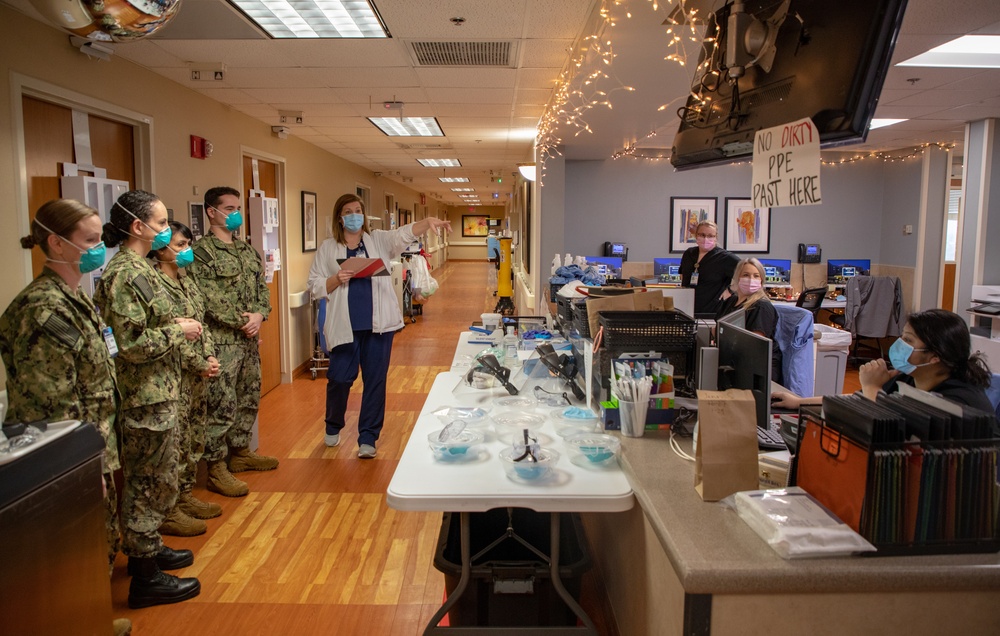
point(794, 336)
point(993, 393)
point(811, 299)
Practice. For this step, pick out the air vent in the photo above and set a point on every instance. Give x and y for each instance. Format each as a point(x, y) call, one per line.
point(463, 53)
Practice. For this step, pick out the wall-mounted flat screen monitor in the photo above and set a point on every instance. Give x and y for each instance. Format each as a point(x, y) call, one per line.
point(828, 63)
point(607, 266)
point(839, 270)
point(777, 272)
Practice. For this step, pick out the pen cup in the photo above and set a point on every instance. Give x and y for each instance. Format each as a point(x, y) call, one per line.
point(633, 417)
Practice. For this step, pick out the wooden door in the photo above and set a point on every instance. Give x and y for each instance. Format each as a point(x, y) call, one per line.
point(270, 331)
point(48, 143)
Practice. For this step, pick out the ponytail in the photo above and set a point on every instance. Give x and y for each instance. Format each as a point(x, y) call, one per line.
point(59, 217)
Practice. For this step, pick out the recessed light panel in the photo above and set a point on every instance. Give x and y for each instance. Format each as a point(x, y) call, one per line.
point(882, 123)
point(408, 126)
point(968, 51)
point(453, 179)
point(463, 189)
point(314, 18)
point(440, 163)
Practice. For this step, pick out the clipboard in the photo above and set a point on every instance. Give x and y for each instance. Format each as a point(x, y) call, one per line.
point(364, 267)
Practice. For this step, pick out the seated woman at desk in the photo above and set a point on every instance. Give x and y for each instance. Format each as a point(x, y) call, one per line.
point(761, 316)
point(708, 268)
point(933, 354)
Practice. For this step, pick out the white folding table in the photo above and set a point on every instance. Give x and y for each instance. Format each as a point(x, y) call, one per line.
point(421, 483)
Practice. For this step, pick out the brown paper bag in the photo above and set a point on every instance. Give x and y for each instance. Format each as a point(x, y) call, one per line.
point(726, 459)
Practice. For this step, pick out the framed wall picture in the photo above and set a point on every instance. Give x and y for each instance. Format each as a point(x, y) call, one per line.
point(310, 224)
point(196, 218)
point(685, 215)
point(475, 225)
point(748, 229)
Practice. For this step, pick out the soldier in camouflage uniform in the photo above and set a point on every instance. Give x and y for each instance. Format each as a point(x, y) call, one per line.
point(231, 276)
point(137, 309)
point(198, 364)
point(52, 344)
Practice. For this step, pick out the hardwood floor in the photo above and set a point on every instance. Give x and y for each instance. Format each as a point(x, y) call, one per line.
point(313, 549)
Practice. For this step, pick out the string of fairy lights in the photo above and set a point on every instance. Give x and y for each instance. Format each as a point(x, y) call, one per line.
point(583, 85)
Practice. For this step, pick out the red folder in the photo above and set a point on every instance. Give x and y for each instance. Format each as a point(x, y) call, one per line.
point(364, 267)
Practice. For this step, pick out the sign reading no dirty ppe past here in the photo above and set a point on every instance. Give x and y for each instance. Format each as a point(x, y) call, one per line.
point(786, 166)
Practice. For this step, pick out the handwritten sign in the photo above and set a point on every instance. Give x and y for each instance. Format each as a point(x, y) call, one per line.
point(786, 166)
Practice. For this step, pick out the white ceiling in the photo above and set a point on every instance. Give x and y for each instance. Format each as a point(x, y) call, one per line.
point(489, 114)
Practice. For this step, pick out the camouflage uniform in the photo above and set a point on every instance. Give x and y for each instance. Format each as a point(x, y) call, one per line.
point(188, 302)
point(231, 276)
point(58, 368)
point(133, 303)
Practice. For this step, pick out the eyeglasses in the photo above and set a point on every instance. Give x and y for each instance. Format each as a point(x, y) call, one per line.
point(706, 236)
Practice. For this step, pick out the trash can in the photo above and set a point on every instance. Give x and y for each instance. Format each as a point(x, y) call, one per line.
point(832, 345)
point(510, 585)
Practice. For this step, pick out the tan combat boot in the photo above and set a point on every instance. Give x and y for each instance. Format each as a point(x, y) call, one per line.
point(179, 524)
point(241, 459)
point(194, 507)
point(122, 627)
point(220, 480)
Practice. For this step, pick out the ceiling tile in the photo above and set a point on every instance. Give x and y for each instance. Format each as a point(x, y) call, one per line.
point(496, 19)
point(358, 77)
point(264, 53)
point(556, 19)
point(295, 96)
point(471, 95)
point(357, 95)
point(344, 53)
point(545, 53)
point(467, 77)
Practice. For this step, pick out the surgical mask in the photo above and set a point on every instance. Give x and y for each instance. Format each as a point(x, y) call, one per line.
point(899, 356)
point(162, 238)
point(705, 243)
point(749, 286)
point(353, 222)
point(90, 259)
point(185, 257)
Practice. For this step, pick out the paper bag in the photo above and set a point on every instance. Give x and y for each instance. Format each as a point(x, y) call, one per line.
point(726, 459)
point(638, 301)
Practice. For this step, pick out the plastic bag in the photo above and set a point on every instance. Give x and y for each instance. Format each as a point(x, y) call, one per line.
point(795, 525)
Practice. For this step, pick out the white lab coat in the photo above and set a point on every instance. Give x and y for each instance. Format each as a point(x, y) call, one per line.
point(386, 316)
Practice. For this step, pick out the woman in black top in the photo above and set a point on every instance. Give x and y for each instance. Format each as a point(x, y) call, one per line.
point(708, 268)
point(761, 316)
point(933, 354)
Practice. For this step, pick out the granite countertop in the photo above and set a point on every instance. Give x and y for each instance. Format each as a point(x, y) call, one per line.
point(714, 551)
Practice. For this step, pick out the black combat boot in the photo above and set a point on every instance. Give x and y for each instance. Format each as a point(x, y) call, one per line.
point(150, 586)
point(166, 559)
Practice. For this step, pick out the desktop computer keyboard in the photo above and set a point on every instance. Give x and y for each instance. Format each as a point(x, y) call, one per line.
point(769, 439)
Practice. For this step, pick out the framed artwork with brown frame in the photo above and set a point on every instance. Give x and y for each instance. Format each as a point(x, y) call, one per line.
point(748, 229)
point(476, 225)
point(309, 222)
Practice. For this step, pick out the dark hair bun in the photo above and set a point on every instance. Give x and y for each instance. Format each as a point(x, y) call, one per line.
point(28, 242)
point(111, 235)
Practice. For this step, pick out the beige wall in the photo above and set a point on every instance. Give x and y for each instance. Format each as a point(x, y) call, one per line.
point(29, 48)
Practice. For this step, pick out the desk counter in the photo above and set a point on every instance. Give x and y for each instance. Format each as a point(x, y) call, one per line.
point(706, 571)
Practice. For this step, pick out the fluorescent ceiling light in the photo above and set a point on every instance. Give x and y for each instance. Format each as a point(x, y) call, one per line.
point(968, 51)
point(440, 163)
point(469, 196)
point(527, 171)
point(463, 189)
point(408, 126)
point(453, 179)
point(882, 123)
point(315, 18)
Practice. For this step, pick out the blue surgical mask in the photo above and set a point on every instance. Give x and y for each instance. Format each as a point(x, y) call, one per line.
point(899, 356)
point(162, 238)
point(185, 257)
point(353, 222)
point(90, 259)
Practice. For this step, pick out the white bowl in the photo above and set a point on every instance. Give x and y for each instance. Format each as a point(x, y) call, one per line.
point(461, 447)
point(474, 416)
point(527, 470)
point(593, 449)
point(566, 426)
point(516, 402)
point(516, 421)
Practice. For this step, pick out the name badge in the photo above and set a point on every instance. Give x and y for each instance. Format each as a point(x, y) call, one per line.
point(694, 279)
point(109, 340)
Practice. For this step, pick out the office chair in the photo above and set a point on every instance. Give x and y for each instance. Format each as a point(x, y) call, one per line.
point(811, 299)
point(874, 311)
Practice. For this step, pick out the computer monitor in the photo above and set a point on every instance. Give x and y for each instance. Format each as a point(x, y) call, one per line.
point(777, 272)
point(662, 265)
point(839, 270)
point(745, 362)
point(607, 266)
